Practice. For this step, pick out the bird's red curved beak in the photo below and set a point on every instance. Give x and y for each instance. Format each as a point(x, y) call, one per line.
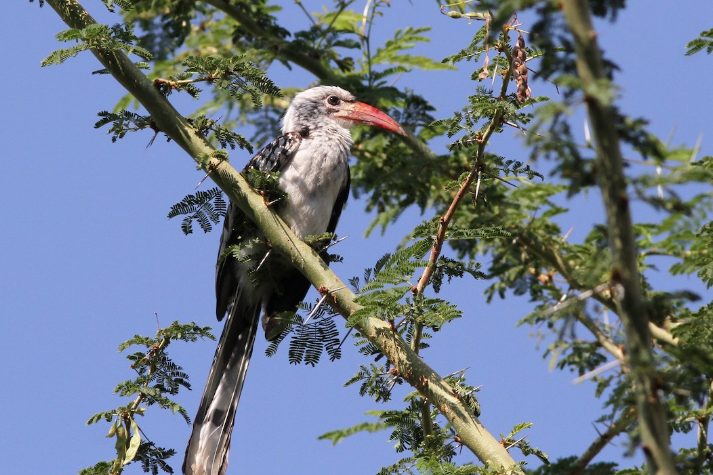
point(361, 113)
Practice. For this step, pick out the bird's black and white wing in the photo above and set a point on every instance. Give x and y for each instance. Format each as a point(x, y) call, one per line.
point(236, 227)
point(208, 448)
point(275, 155)
point(339, 204)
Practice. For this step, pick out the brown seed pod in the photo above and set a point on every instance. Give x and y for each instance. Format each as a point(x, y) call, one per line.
point(519, 69)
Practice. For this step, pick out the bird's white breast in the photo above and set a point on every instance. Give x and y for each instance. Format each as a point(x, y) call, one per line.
point(313, 179)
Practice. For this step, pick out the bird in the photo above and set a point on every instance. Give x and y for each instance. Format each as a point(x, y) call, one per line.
point(312, 158)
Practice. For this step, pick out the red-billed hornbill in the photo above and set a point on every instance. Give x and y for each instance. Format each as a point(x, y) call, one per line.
point(312, 157)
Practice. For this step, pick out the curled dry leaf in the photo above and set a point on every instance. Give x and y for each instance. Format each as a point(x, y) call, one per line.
point(484, 73)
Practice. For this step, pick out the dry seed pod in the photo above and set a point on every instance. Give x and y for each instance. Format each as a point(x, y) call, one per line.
point(519, 69)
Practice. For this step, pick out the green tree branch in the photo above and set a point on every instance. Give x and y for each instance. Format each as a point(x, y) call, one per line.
point(625, 273)
point(408, 364)
point(556, 260)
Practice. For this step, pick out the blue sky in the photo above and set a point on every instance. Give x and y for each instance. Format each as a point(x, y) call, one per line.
point(87, 256)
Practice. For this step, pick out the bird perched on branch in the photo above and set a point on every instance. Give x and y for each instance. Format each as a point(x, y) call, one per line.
point(312, 157)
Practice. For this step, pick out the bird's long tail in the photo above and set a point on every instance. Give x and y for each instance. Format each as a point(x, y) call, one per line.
point(209, 445)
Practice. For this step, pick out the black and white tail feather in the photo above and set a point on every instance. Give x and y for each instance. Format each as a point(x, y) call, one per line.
point(209, 445)
point(312, 158)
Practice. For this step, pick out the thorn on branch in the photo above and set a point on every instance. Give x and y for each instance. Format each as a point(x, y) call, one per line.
point(459, 443)
point(264, 258)
point(316, 307)
point(334, 243)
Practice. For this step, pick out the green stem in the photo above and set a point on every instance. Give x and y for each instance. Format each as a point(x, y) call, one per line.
point(152, 368)
point(625, 273)
point(341, 6)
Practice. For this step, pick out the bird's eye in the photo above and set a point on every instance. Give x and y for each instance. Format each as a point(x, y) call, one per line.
point(333, 100)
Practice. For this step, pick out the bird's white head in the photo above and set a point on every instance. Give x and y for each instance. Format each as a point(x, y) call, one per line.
point(325, 106)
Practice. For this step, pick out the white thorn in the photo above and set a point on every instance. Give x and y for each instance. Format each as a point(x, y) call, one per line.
point(589, 375)
point(314, 310)
point(345, 337)
point(587, 136)
point(564, 238)
point(564, 303)
point(670, 136)
point(334, 243)
point(460, 371)
point(697, 148)
point(516, 442)
point(202, 180)
point(477, 186)
point(263, 260)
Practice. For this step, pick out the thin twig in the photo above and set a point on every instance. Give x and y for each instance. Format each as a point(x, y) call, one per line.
point(617, 427)
point(445, 220)
point(309, 16)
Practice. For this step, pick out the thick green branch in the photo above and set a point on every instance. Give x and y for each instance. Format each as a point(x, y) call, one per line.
point(406, 361)
point(612, 182)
